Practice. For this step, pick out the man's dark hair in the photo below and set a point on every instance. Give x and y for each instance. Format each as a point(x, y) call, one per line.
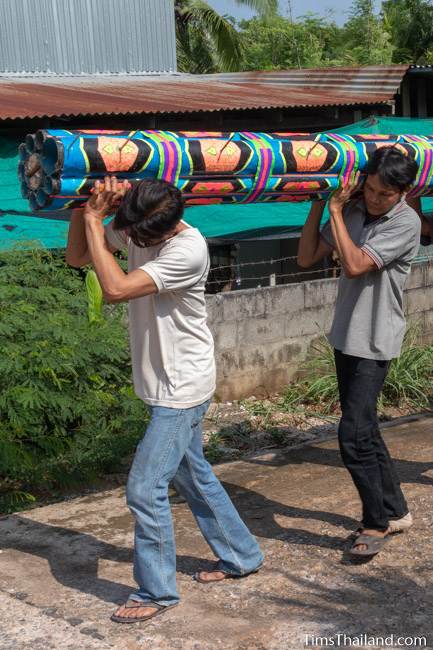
point(149, 210)
point(394, 168)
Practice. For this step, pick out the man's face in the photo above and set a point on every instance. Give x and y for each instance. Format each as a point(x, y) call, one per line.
point(380, 198)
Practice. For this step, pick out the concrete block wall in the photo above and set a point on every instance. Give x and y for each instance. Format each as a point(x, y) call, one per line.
point(418, 300)
point(262, 336)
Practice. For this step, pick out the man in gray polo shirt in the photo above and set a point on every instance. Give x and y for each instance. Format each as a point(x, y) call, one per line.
point(376, 237)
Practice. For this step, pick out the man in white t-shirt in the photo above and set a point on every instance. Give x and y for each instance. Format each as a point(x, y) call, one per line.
point(174, 373)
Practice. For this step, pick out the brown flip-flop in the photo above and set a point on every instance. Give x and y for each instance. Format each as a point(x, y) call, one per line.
point(135, 604)
point(226, 575)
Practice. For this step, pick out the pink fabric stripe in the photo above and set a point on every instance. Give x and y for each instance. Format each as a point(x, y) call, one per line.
point(170, 162)
point(350, 164)
point(267, 158)
point(265, 172)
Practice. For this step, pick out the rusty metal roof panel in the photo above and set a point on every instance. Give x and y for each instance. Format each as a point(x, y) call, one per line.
point(359, 79)
point(124, 94)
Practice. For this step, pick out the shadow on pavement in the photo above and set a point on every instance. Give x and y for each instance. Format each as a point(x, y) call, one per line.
point(73, 557)
point(388, 603)
point(409, 471)
point(259, 514)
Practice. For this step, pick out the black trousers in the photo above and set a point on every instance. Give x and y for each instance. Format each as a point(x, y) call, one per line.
point(362, 448)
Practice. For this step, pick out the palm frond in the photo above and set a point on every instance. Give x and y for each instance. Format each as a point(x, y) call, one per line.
point(262, 7)
point(196, 16)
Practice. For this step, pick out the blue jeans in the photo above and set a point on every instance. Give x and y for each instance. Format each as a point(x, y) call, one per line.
point(172, 450)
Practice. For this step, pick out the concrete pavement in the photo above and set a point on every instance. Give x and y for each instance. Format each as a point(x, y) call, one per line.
point(63, 567)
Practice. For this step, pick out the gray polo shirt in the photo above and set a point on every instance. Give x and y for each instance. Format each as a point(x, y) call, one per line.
point(369, 319)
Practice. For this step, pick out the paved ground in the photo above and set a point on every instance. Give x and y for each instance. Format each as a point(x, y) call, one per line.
point(63, 567)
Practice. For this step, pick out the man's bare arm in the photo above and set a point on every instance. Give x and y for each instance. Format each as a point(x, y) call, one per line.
point(353, 259)
point(77, 251)
point(117, 286)
point(312, 247)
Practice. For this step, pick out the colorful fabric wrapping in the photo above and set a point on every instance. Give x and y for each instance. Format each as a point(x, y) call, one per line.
point(58, 167)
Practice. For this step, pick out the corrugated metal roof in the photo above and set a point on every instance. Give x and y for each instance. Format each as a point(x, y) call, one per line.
point(76, 36)
point(121, 94)
point(374, 79)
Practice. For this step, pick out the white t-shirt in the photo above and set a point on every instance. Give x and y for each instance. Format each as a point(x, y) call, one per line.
point(171, 345)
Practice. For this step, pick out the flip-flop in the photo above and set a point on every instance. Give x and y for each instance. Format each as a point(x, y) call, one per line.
point(226, 575)
point(373, 543)
point(135, 604)
point(400, 525)
point(395, 525)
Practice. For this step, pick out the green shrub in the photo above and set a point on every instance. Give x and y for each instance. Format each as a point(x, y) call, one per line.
point(409, 379)
point(213, 449)
point(318, 389)
point(408, 383)
point(67, 407)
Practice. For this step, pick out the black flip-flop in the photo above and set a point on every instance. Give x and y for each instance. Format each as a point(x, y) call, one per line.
point(373, 543)
point(135, 604)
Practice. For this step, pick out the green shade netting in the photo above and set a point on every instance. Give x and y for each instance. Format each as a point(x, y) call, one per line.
point(214, 221)
point(389, 126)
point(17, 227)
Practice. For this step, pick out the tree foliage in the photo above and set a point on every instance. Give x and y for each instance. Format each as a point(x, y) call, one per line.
point(278, 43)
point(410, 24)
point(208, 42)
point(401, 32)
point(365, 41)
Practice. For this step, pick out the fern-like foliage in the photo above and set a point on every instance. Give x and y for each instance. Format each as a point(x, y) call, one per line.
point(67, 408)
